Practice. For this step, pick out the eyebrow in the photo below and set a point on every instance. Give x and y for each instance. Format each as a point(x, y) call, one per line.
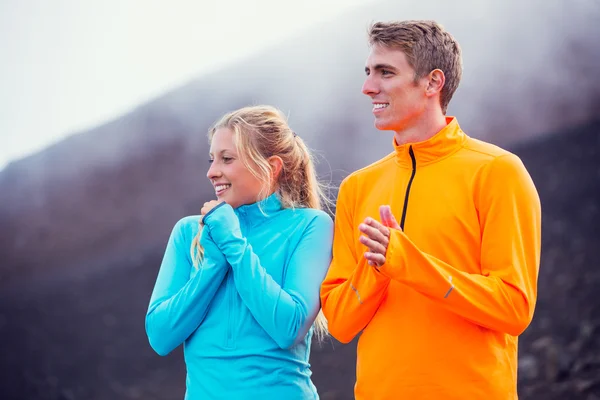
point(221, 152)
point(379, 67)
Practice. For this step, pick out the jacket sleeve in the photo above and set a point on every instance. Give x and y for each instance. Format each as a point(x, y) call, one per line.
point(179, 304)
point(286, 312)
point(503, 296)
point(353, 290)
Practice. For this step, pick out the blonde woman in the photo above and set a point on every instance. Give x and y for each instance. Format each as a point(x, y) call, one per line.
point(239, 284)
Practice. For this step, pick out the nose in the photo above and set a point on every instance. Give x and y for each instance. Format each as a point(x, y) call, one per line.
point(370, 87)
point(213, 171)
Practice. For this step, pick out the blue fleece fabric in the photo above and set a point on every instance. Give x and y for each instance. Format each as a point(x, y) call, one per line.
point(245, 315)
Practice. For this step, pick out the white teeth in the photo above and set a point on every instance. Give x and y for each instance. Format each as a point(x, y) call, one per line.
point(379, 106)
point(221, 187)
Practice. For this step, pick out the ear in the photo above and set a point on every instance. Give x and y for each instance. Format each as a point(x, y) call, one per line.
point(435, 83)
point(276, 164)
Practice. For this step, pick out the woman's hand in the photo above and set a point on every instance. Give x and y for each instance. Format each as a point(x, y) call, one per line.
point(209, 205)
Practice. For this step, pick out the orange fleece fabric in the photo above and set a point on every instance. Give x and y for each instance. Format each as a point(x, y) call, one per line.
point(440, 318)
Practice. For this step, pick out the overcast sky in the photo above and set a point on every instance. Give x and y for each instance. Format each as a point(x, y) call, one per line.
point(69, 65)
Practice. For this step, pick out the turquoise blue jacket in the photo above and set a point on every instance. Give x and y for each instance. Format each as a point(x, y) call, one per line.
point(245, 315)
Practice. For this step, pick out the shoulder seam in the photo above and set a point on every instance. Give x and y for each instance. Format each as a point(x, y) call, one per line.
point(373, 165)
point(502, 150)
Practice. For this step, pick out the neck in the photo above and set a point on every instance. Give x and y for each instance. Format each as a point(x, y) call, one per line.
point(423, 128)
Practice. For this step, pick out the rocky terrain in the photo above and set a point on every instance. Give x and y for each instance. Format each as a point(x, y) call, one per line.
point(81, 336)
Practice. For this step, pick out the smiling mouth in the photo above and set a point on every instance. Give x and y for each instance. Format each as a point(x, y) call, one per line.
point(219, 189)
point(377, 107)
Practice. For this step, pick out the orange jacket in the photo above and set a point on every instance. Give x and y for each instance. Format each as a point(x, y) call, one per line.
point(440, 319)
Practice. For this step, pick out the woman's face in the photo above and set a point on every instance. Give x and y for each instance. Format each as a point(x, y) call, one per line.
point(233, 182)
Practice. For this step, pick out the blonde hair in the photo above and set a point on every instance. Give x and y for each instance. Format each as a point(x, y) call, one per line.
point(260, 132)
point(427, 46)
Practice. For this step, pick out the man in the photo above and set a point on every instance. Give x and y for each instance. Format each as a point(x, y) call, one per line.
point(442, 292)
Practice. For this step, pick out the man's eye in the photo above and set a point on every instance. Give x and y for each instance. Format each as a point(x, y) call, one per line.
point(385, 72)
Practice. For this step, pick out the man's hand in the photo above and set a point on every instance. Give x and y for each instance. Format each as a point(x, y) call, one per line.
point(209, 205)
point(387, 218)
point(376, 238)
point(377, 235)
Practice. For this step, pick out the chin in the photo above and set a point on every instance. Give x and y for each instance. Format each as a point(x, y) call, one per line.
point(383, 126)
point(224, 199)
point(391, 125)
point(234, 203)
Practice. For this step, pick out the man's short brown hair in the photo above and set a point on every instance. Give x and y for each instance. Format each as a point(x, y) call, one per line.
point(427, 46)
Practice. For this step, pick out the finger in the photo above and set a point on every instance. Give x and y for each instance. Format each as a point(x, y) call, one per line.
point(385, 214)
point(209, 205)
point(373, 246)
point(388, 219)
point(377, 225)
point(375, 258)
point(373, 233)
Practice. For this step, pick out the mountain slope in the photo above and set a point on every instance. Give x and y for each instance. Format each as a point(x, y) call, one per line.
point(112, 192)
point(82, 337)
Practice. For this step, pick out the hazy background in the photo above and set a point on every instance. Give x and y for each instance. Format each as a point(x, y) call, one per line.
point(84, 220)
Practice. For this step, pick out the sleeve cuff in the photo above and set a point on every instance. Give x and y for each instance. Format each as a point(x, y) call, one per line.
point(204, 219)
point(394, 265)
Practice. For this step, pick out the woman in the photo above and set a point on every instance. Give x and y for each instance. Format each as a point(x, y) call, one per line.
point(239, 284)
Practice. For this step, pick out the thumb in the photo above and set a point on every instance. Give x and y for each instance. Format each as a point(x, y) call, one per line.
point(387, 218)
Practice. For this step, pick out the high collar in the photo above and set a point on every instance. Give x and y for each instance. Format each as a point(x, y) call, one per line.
point(439, 146)
point(259, 211)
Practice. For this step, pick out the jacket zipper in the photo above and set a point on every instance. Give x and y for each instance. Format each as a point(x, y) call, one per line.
point(410, 181)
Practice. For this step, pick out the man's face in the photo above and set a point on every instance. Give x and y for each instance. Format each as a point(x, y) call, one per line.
point(398, 101)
